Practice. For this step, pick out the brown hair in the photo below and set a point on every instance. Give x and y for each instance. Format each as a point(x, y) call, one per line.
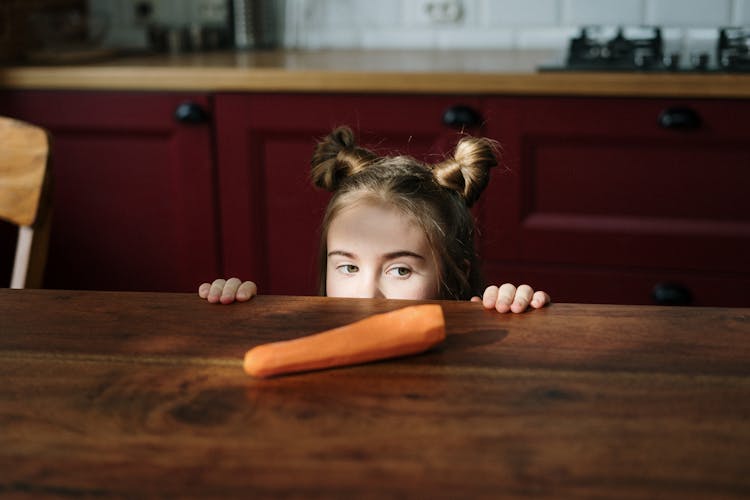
point(436, 196)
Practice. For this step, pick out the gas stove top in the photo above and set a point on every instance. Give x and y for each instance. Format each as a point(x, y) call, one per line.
point(598, 48)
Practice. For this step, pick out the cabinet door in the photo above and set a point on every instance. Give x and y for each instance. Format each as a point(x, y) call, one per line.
point(603, 190)
point(133, 204)
point(270, 211)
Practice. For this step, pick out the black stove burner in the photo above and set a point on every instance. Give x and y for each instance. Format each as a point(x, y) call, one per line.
point(598, 48)
point(732, 49)
point(593, 50)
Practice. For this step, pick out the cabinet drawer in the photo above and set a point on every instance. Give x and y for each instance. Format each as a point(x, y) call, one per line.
point(134, 203)
point(601, 182)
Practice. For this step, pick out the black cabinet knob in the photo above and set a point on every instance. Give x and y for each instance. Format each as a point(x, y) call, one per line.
point(461, 117)
point(671, 294)
point(191, 113)
point(680, 119)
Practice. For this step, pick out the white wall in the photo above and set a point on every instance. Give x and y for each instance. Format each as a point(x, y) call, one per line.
point(494, 23)
point(312, 24)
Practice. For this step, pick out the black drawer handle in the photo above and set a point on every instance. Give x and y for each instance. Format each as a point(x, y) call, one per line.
point(679, 119)
point(191, 113)
point(461, 117)
point(671, 294)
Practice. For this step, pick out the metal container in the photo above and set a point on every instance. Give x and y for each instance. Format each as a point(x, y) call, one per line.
point(258, 24)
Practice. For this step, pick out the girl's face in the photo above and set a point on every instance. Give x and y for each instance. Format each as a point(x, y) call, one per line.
point(374, 250)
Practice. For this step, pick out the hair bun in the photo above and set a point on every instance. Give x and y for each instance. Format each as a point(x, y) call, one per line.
point(337, 157)
point(468, 172)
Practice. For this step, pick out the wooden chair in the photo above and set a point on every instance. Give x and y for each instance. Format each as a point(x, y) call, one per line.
point(24, 197)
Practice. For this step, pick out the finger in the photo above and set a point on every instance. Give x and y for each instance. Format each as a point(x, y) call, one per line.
point(203, 290)
point(523, 296)
point(246, 291)
point(505, 295)
point(214, 293)
point(229, 292)
point(475, 298)
point(489, 298)
point(540, 299)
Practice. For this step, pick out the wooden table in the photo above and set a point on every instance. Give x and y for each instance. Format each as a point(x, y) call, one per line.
point(140, 394)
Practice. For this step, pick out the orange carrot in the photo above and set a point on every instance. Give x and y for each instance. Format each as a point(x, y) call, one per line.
point(409, 330)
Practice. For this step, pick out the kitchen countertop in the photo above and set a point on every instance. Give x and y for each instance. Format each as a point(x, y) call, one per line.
point(365, 71)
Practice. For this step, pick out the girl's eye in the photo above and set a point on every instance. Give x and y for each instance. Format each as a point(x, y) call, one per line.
point(348, 268)
point(400, 271)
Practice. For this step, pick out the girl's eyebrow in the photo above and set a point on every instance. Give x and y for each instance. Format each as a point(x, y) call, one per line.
point(388, 256)
point(402, 253)
point(348, 255)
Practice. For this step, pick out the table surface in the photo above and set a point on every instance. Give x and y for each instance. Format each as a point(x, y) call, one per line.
point(143, 394)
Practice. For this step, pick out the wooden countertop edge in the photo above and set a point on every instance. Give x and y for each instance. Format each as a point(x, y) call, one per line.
point(213, 79)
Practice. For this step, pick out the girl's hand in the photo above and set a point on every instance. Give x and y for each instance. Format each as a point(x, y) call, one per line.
point(227, 291)
point(509, 298)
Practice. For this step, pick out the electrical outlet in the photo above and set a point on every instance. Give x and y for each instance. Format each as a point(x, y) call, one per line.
point(430, 12)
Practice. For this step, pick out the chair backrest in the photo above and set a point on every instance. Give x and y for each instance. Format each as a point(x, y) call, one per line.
point(24, 187)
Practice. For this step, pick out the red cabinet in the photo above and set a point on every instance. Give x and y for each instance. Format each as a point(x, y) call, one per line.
point(597, 199)
point(606, 201)
point(270, 211)
point(134, 194)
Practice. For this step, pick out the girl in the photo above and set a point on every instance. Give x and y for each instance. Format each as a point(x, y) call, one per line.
point(398, 228)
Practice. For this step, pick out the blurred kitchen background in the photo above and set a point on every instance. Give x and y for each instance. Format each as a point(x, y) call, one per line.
point(185, 25)
point(313, 24)
point(174, 132)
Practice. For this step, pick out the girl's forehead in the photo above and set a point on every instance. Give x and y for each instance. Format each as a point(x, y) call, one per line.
point(376, 208)
point(374, 230)
point(371, 221)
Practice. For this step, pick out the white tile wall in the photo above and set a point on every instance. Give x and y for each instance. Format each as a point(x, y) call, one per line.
point(616, 12)
point(483, 23)
point(556, 38)
point(388, 38)
point(474, 39)
point(741, 13)
point(513, 23)
point(689, 13)
point(528, 13)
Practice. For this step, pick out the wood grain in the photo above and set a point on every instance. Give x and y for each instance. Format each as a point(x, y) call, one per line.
point(142, 394)
point(368, 71)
